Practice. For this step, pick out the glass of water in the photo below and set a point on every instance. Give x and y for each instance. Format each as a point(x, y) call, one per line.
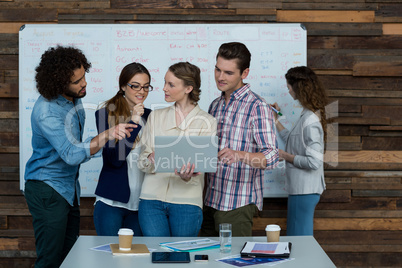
point(225, 237)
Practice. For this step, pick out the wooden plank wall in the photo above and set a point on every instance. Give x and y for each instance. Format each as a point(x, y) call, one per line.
point(356, 48)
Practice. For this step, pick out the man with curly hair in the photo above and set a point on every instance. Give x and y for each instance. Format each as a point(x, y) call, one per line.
point(52, 189)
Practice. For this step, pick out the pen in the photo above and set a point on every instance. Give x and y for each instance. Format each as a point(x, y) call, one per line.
point(276, 111)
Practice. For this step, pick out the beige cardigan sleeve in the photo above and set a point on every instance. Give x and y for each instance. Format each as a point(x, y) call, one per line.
point(148, 146)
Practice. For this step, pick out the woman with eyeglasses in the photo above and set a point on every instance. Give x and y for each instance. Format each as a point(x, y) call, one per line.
point(171, 203)
point(120, 181)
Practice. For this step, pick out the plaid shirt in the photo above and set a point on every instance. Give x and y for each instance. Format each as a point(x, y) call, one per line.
point(245, 124)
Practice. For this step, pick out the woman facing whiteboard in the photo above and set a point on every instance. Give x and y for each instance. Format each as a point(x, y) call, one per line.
point(304, 150)
point(120, 181)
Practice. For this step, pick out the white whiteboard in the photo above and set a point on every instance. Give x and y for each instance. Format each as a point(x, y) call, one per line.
point(109, 47)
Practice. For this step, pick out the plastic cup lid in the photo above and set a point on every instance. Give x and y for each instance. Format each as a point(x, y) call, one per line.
point(125, 231)
point(272, 227)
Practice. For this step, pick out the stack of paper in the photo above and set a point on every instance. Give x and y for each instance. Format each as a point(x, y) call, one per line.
point(191, 245)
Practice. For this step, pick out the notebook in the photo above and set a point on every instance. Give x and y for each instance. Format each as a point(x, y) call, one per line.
point(172, 152)
point(266, 250)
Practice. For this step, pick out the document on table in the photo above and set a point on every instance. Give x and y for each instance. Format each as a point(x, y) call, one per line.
point(261, 249)
point(238, 261)
point(191, 245)
point(104, 248)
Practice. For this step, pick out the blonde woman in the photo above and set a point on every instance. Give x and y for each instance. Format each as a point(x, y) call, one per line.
point(171, 203)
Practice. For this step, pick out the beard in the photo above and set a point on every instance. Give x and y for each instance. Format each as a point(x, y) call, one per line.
point(75, 95)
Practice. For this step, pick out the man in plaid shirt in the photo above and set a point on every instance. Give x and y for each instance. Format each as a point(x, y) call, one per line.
point(247, 144)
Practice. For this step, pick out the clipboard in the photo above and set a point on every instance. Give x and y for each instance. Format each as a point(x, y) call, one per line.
point(266, 250)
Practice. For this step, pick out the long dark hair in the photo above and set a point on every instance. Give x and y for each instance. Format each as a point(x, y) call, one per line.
point(309, 92)
point(117, 107)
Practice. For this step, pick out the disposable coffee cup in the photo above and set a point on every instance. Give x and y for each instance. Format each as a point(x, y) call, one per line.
point(125, 238)
point(273, 232)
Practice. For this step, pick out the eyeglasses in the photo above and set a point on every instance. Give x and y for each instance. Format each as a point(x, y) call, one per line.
point(137, 87)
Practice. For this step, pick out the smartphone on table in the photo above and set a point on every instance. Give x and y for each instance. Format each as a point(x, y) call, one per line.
point(201, 258)
point(170, 257)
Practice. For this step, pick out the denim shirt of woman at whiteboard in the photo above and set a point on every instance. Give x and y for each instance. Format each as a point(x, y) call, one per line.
point(113, 179)
point(306, 141)
point(58, 150)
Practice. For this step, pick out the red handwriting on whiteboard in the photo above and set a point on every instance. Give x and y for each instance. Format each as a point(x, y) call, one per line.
point(32, 44)
point(33, 47)
point(202, 60)
point(97, 89)
point(270, 35)
point(176, 34)
point(269, 76)
point(128, 49)
point(121, 59)
point(175, 46)
point(96, 70)
point(296, 34)
point(191, 32)
point(95, 46)
point(140, 59)
point(151, 33)
point(222, 32)
point(124, 33)
point(96, 80)
point(156, 70)
point(177, 59)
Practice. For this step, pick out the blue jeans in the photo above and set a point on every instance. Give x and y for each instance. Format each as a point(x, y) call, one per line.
point(301, 214)
point(108, 219)
point(159, 218)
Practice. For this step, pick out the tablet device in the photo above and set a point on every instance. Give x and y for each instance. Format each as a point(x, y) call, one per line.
point(172, 152)
point(170, 257)
point(201, 258)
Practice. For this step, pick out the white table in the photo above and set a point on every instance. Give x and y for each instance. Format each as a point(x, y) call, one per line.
point(305, 251)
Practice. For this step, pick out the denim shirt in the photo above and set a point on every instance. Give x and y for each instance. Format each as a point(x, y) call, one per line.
point(58, 150)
